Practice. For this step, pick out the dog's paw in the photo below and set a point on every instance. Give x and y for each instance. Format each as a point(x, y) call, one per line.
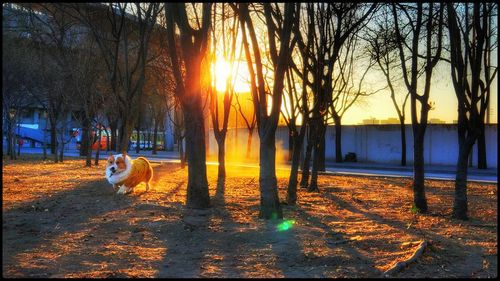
point(121, 190)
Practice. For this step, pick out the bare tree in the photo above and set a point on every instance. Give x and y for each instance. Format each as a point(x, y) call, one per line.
point(383, 50)
point(17, 77)
point(250, 122)
point(123, 40)
point(332, 25)
point(228, 35)
point(470, 32)
point(192, 48)
point(421, 26)
point(267, 121)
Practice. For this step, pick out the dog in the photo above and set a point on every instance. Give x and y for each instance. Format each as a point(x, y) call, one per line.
point(125, 174)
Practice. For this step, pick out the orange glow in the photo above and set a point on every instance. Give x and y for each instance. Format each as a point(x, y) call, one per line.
point(237, 73)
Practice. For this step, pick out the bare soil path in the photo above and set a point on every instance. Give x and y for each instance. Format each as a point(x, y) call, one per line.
point(63, 220)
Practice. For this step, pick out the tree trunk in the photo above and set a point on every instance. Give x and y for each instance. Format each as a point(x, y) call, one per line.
point(61, 153)
point(403, 142)
point(88, 151)
point(419, 200)
point(249, 143)
point(321, 147)
point(18, 142)
point(291, 139)
point(125, 133)
point(138, 140)
point(9, 139)
point(53, 138)
point(86, 128)
point(44, 144)
point(182, 155)
point(108, 144)
point(269, 201)
point(155, 137)
point(460, 202)
point(96, 162)
point(313, 186)
point(197, 189)
point(338, 140)
point(294, 171)
point(304, 181)
point(114, 138)
point(221, 157)
point(481, 148)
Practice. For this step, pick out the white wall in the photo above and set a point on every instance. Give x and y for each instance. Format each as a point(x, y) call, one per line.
point(379, 143)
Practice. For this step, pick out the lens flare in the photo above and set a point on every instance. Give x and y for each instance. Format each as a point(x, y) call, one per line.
point(285, 225)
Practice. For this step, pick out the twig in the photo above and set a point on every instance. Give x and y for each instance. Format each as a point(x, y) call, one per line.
point(400, 265)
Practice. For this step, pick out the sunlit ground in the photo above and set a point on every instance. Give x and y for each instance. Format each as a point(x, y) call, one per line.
point(63, 220)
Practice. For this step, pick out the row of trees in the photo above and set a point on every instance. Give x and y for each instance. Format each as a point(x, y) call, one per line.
point(316, 56)
point(322, 46)
point(94, 62)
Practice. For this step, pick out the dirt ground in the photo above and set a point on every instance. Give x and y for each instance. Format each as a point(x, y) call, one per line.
point(64, 220)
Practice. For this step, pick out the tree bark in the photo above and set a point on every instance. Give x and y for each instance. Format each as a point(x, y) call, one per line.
point(221, 157)
point(419, 199)
point(138, 143)
point(53, 138)
point(249, 143)
point(294, 171)
point(481, 148)
point(197, 189)
point(269, 202)
point(338, 139)
point(88, 149)
point(321, 147)
point(403, 142)
point(155, 137)
point(98, 150)
point(313, 186)
point(113, 126)
point(86, 128)
point(9, 139)
point(304, 181)
point(460, 199)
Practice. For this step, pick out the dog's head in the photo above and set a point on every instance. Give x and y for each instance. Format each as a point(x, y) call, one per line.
point(116, 163)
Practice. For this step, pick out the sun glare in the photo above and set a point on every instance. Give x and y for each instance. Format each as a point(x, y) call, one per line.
point(238, 74)
point(222, 73)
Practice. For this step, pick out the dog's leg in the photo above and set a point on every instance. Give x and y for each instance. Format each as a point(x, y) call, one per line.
point(147, 185)
point(115, 187)
point(121, 190)
point(128, 190)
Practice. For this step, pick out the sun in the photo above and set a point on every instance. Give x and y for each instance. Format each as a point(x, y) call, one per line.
point(238, 75)
point(222, 73)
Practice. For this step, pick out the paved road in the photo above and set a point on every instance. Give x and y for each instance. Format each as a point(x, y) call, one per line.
point(363, 169)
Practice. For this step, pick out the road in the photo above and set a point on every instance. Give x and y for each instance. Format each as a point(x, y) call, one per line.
point(361, 169)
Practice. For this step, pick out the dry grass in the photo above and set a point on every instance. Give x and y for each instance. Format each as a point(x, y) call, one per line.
point(63, 220)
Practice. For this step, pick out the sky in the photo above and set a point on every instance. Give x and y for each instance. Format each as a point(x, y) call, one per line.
point(380, 106)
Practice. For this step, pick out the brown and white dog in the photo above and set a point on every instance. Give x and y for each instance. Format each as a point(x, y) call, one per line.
point(125, 174)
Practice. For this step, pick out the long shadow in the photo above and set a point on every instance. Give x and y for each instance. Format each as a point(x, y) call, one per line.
point(341, 262)
point(206, 233)
point(33, 223)
point(402, 226)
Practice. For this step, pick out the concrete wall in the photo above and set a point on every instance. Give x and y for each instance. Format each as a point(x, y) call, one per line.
point(376, 143)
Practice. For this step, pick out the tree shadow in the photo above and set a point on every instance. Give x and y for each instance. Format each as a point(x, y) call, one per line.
point(31, 224)
point(461, 262)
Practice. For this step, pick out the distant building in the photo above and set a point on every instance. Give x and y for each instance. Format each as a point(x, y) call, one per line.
point(371, 121)
point(390, 121)
point(436, 121)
